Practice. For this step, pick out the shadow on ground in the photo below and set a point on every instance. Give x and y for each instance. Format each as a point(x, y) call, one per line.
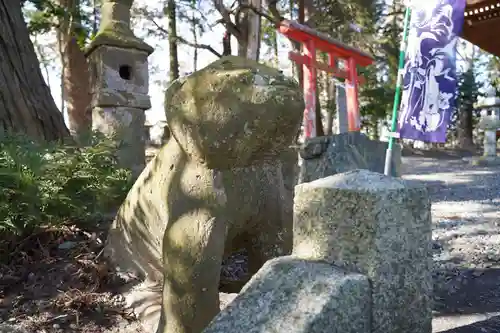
point(455, 181)
point(473, 307)
point(466, 203)
point(479, 293)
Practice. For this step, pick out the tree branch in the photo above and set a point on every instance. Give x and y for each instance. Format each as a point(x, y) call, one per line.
point(186, 42)
point(226, 18)
point(272, 6)
point(275, 16)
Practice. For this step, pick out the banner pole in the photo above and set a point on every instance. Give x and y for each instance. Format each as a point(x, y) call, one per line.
point(397, 94)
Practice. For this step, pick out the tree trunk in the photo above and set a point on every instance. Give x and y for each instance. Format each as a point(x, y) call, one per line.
point(75, 73)
point(306, 13)
point(26, 105)
point(226, 44)
point(249, 25)
point(375, 134)
point(172, 40)
point(465, 126)
point(291, 5)
point(253, 31)
point(276, 51)
point(194, 31)
point(466, 108)
point(297, 47)
point(245, 28)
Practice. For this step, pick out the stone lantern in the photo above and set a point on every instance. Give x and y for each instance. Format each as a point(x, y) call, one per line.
point(119, 78)
point(490, 123)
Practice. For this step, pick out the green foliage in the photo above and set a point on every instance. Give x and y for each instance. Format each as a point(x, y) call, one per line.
point(50, 184)
point(468, 88)
point(44, 15)
point(468, 91)
point(493, 68)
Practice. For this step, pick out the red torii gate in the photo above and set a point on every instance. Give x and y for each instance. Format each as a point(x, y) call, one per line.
point(313, 40)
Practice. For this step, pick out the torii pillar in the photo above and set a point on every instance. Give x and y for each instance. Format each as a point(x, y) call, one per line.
point(313, 41)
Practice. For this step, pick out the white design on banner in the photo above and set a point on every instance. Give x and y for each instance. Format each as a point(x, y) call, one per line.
point(425, 98)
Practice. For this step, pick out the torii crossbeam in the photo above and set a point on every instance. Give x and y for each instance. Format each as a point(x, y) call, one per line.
point(312, 41)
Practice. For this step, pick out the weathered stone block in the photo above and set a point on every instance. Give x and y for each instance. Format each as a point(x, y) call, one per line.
point(171, 187)
point(224, 114)
point(255, 195)
point(376, 225)
point(119, 82)
point(222, 183)
point(298, 296)
point(119, 77)
point(327, 156)
point(126, 126)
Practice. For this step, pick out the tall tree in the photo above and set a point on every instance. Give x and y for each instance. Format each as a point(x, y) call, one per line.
point(26, 104)
point(190, 11)
point(75, 74)
point(467, 96)
point(172, 40)
point(250, 25)
point(493, 68)
point(195, 28)
point(242, 21)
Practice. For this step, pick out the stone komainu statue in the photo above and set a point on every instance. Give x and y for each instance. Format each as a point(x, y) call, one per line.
point(224, 182)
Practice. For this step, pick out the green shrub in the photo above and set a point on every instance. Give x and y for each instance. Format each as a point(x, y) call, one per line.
point(50, 184)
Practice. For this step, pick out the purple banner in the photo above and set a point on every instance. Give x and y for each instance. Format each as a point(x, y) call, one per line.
point(429, 76)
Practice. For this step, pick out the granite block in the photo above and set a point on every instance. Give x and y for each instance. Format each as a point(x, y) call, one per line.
point(290, 295)
point(376, 225)
point(330, 155)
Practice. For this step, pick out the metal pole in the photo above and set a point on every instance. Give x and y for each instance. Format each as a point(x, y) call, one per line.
point(397, 95)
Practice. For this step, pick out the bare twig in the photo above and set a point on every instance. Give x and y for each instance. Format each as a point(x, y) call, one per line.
point(99, 254)
point(186, 42)
point(193, 8)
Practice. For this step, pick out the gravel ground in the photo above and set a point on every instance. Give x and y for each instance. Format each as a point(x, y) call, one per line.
point(466, 218)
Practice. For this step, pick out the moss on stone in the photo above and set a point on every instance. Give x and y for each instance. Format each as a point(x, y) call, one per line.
point(224, 114)
point(117, 34)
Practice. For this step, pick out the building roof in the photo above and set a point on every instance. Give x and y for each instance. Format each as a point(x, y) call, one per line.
point(482, 24)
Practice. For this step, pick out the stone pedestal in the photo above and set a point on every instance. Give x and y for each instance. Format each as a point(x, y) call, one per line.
point(376, 225)
point(489, 123)
point(290, 295)
point(119, 84)
point(341, 104)
point(490, 143)
point(330, 155)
